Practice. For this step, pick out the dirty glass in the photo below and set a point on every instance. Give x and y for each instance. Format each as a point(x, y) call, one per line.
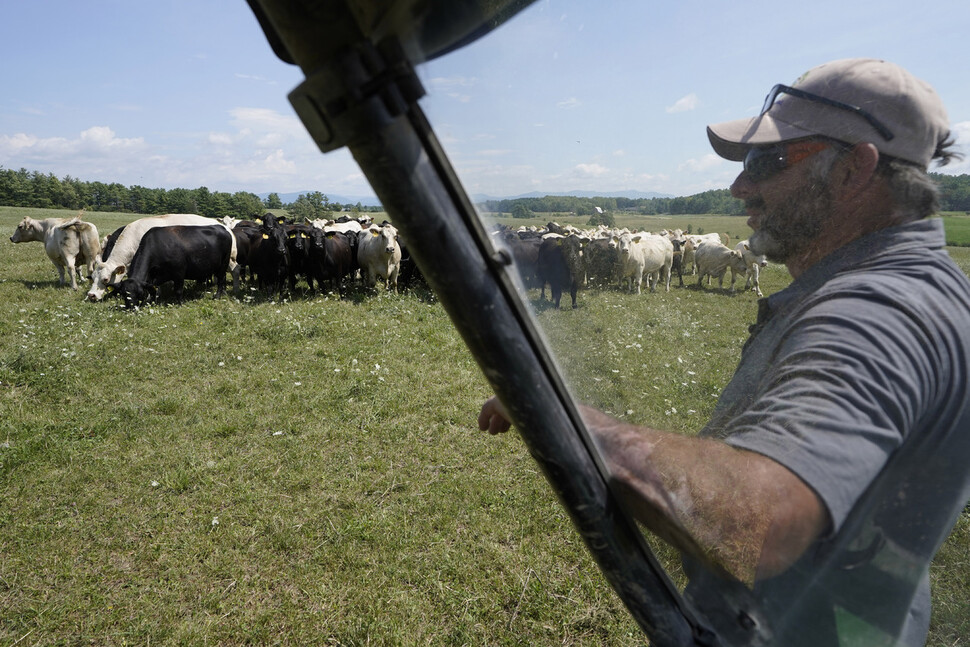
point(563, 101)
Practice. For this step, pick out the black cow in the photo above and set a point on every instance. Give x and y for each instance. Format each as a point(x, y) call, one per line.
point(269, 257)
point(561, 265)
point(298, 242)
point(175, 254)
point(409, 270)
point(677, 265)
point(525, 256)
point(333, 255)
point(601, 262)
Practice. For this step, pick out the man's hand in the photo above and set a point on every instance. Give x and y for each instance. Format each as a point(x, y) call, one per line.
point(493, 417)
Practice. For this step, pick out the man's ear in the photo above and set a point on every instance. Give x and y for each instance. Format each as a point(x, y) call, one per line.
point(858, 168)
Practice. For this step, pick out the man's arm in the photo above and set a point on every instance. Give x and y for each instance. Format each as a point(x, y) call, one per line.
point(734, 509)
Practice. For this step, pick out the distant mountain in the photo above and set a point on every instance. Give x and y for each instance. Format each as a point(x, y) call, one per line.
point(364, 200)
point(630, 194)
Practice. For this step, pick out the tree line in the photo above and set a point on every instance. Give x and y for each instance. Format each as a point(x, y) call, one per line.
point(954, 196)
point(23, 188)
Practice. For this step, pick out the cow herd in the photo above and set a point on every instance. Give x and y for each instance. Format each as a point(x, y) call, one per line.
point(270, 254)
point(566, 258)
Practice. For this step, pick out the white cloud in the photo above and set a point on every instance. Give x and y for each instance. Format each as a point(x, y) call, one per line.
point(705, 163)
point(571, 102)
point(684, 104)
point(95, 142)
point(590, 170)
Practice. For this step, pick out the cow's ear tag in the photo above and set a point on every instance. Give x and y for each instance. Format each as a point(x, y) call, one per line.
point(110, 288)
point(375, 233)
point(266, 236)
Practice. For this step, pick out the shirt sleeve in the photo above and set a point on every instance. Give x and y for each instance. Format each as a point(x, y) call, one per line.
point(848, 382)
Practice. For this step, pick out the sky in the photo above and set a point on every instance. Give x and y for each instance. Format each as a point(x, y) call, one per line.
point(569, 95)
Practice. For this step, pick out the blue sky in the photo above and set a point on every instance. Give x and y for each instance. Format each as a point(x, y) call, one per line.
point(597, 96)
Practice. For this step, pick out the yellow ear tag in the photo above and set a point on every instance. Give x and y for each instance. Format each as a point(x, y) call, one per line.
point(375, 233)
point(266, 236)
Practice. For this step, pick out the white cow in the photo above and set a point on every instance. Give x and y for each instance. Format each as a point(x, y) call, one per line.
point(379, 255)
point(111, 270)
point(691, 241)
point(644, 253)
point(70, 243)
point(714, 259)
point(753, 262)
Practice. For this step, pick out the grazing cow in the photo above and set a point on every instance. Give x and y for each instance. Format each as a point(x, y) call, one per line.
point(70, 243)
point(332, 257)
point(714, 259)
point(175, 254)
point(561, 265)
point(753, 262)
point(601, 262)
point(379, 255)
point(641, 254)
point(106, 272)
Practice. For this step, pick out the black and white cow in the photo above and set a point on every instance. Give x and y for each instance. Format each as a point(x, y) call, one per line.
point(175, 254)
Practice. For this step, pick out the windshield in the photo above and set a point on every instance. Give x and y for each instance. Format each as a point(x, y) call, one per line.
point(580, 135)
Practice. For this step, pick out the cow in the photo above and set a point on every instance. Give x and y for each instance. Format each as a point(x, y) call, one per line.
point(644, 253)
point(269, 255)
point(561, 265)
point(525, 256)
point(379, 255)
point(106, 271)
point(332, 257)
point(409, 269)
point(298, 241)
point(691, 241)
point(714, 259)
point(601, 262)
point(753, 262)
point(70, 243)
point(678, 262)
point(176, 253)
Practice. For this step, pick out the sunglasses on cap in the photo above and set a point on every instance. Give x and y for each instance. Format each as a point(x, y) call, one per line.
point(761, 162)
point(780, 89)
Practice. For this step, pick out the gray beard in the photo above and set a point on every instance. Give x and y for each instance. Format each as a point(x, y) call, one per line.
point(791, 229)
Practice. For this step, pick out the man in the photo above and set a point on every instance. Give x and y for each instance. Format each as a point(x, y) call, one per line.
point(834, 465)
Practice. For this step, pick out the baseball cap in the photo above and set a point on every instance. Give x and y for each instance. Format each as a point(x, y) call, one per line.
point(852, 100)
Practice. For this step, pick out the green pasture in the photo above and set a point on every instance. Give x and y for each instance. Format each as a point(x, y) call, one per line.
point(309, 472)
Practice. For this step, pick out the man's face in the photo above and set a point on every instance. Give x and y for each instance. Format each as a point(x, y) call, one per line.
point(787, 211)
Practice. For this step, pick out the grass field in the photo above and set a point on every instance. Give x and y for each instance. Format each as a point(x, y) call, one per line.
point(308, 472)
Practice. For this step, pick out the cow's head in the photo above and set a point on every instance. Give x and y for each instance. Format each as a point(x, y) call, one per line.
point(24, 232)
point(134, 293)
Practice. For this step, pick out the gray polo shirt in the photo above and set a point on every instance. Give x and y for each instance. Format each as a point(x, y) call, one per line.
point(855, 378)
